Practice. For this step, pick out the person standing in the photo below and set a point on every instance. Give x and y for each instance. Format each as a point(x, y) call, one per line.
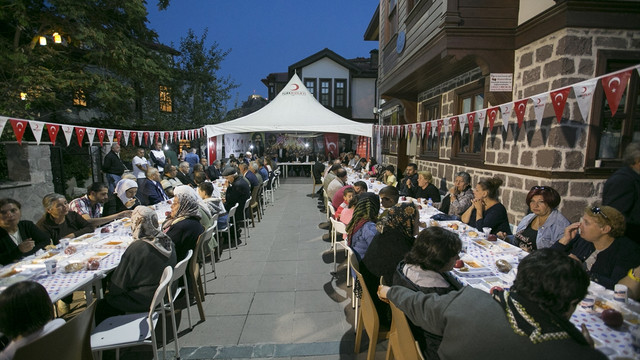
point(113, 167)
point(140, 166)
point(158, 160)
point(622, 191)
point(192, 158)
point(171, 156)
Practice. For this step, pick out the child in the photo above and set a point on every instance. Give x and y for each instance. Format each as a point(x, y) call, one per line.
point(349, 193)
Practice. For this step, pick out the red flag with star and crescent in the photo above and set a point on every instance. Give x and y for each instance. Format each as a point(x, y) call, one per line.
point(614, 86)
point(520, 107)
point(101, 133)
point(80, 131)
point(19, 127)
point(559, 100)
point(492, 114)
point(52, 129)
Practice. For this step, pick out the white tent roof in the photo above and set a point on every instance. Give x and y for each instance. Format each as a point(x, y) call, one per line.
point(294, 109)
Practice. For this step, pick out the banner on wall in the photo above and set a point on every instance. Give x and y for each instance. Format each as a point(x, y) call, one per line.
point(331, 145)
point(236, 144)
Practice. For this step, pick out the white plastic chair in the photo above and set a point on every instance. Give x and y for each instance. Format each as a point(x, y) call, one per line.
point(245, 221)
point(203, 240)
point(265, 199)
point(270, 190)
point(231, 220)
point(180, 272)
point(135, 329)
point(338, 227)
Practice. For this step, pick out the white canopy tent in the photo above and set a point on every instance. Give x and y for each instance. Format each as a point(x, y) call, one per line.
point(294, 109)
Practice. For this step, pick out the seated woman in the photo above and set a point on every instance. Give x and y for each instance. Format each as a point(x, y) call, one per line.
point(362, 227)
point(388, 178)
point(544, 226)
point(26, 314)
point(460, 195)
point(373, 167)
point(425, 189)
point(598, 242)
point(135, 280)
point(18, 238)
point(124, 198)
point(632, 282)
point(211, 197)
point(59, 222)
point(203, 209)
point(486, 209)
point(426, 268)
point(347, 195)
point(396, 231)
point(183, 224)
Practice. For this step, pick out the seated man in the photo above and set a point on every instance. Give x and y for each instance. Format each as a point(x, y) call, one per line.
point(250, 176)
point(169, 180)
point(531, 320)
point(90, 205)
point(389, 196)
point(213, 171)
point(337, 183)
point(152, 192)
point(183, 174)
point(410, 180)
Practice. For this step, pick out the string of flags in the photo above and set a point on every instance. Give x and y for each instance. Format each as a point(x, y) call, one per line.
point(19, 127)
point(613, 84)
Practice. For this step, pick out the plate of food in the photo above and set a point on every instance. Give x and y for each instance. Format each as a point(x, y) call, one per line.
point(495, 246)
point(51, 254)
point(467, 264)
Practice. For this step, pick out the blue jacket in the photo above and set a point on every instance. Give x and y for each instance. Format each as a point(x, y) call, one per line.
point(152, 193)
point(548, 234)
point(253, 179)
point(361, 239)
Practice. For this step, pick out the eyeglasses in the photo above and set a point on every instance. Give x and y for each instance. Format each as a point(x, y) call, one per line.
point(596, 210)
point(539, 188)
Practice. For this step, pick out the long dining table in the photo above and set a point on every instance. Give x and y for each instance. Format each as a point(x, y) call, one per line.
point(480, 255)
point(105, 245)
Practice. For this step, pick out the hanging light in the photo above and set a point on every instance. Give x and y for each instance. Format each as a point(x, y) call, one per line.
point(166, 146)
point(23, 96)
point(57, 38)
point(43, 41)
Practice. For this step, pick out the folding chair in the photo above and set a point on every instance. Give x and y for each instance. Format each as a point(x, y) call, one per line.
point(231, 221)
point(369, 320)
point(180, 272)
point(135, 329)
point(247, 206)
point(402, 345)
point(338, 227)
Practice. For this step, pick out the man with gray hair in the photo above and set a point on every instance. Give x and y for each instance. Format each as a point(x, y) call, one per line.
point(254, 168)
point(183, 174)
point(622, 191)
point(213, 171)
point(152, 192)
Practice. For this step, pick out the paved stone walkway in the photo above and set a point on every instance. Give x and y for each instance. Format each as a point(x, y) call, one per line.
point(276, 297)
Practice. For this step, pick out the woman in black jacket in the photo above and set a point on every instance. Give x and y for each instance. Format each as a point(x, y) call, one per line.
point(18, 238)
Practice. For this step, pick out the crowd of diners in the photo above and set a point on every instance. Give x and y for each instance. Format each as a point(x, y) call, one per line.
point(26, 311)
point(455, 322)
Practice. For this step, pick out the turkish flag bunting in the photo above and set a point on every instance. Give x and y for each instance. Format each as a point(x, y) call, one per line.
point(36, 128)
point(453, 121)
point(155, 136)
point(175, 135)
point(481, 116)
point(101, 133)
point(118, 136)
point(67, 130)
point(181, 135)
point(80, 131)
point(559, 100)
point(166, 136)
point(19, 126)
point(539, 102)
point(140, 138)
point(471, 118)
point(440, 123)
point(506, 109)
point(520, 107)
point(53, 132)
point(419, 131)
point(133, 137)
point(125, 136)
point(614, 86)
point(145, 135)
point(110, 134)
point(409, 132)
point(428, 130)
point(3, 122)
point(202, 132)
point(91, 134)
point(492, 114)
point(584, 96)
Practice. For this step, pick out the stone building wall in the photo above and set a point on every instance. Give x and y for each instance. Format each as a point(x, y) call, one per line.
point(561, 59)
point(30, 177)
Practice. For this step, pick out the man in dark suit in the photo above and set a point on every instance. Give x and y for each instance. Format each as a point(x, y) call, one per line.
point(237, 193)
point(253, 180)
point(213, 171)
point(152, 192)
point(113, 167)
point(183, 174)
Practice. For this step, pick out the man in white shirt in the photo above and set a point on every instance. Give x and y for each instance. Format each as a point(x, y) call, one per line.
point(140, 166)
point(157, 157)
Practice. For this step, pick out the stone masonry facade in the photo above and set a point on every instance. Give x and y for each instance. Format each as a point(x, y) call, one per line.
point(561, 59)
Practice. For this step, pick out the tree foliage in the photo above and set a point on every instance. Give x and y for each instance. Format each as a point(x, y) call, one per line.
point(108, 55)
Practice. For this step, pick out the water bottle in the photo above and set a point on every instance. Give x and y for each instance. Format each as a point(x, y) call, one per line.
point(429, 202)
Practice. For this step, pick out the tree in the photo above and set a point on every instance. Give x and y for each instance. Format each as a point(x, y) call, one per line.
point(200, 93)
point(107, 56)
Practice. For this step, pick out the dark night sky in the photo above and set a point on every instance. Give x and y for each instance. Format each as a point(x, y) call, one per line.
point(267, 36)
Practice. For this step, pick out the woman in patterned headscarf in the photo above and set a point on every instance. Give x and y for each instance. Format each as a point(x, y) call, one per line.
point(362, 227)
point(203, 209)
point(183, 224)
point(134, 282)
point(396, 237)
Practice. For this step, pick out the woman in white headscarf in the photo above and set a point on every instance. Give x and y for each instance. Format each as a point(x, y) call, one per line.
point(136, 278)
point(203, 208)
point(124, 198)
point(183, 224)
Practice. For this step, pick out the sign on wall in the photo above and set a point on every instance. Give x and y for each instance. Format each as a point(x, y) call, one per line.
point(501, 82)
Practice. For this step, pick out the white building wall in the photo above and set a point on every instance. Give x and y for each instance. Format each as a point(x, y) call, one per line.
point(364, 98)
point(326, 68)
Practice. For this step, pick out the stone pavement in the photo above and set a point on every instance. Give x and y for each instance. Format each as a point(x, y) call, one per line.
point(276, 297)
